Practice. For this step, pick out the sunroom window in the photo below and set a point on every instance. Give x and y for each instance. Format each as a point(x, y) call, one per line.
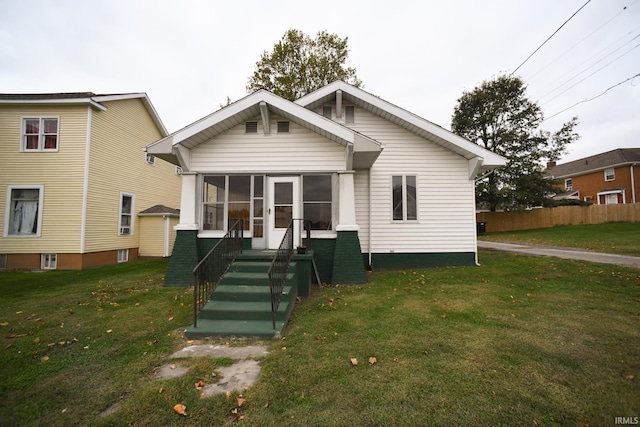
point(317, 200)
point(214, 196)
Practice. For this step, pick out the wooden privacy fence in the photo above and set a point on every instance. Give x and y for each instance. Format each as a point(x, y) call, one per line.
point(562, 215)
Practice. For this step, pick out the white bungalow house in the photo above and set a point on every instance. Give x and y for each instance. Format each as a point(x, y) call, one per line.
point(382, 187)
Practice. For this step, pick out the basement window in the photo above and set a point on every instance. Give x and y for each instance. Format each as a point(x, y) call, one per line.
point(49, 261)
point(250, 127)
point(283, 127)
point(123, 255)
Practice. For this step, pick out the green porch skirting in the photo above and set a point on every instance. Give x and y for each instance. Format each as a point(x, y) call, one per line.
point(395, 261)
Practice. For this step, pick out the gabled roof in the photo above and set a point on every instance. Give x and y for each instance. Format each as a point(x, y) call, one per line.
point(88, 98)
point(598, 162)
point(263, 103)
point(404, 119)
point(160, 210)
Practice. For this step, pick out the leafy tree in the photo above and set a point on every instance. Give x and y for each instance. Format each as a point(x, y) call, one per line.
point(498, 116)
point(299, 65)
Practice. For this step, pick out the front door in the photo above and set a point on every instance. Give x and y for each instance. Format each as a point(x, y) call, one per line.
point(284, 205)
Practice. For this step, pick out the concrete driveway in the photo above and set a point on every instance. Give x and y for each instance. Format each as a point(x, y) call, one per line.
point(567, 253)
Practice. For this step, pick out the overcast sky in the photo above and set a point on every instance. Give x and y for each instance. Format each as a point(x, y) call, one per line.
point(189, 55)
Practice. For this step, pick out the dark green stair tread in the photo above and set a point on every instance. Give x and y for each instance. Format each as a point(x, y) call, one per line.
point(244, 328)
point(247, 289)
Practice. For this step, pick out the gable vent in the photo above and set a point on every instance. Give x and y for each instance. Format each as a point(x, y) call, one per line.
point(283, 127)
point(251, 127)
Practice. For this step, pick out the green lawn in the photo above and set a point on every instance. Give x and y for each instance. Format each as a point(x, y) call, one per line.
point(518, 341)
point(617, 237)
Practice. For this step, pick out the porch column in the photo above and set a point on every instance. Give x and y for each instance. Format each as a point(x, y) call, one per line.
point(188, 203)
point(348, 261)
point(346, 203)
point(184, 256)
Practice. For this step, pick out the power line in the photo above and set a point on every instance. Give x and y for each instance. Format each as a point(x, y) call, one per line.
point(549, 38)
point(598, 70)
point(592, 98)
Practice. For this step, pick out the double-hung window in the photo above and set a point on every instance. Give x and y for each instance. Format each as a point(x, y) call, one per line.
point(230, 194)
point(126, 214)
point(404, 198)
point(40, 134)
point(610, 174)
point(24, 216)
point(317, 201)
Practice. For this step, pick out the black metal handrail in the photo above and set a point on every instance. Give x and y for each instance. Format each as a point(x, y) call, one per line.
point(278, 270)
point(214, 265)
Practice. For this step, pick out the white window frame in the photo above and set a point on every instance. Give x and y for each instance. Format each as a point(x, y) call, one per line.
point(611, 176)
point(404, 198)
point(48, 261)
point(7, 216)
point(568, 184)
point(121, 214)
point(150, 159)
point(123, 255)
point(41, 134)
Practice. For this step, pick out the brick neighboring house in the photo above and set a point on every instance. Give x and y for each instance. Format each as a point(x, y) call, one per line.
point(604, 179)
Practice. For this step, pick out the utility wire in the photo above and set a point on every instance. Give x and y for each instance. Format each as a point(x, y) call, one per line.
point(599, 69)
point(581, 41)
point(586, 69)
point(549, 38)
point(592, 98)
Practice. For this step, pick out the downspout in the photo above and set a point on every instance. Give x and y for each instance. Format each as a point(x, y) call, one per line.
point(633, 184)
point(475, 234)
point(85, 184)
point(370, 223)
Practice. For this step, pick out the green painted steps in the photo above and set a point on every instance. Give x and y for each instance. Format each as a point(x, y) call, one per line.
point(241, 304)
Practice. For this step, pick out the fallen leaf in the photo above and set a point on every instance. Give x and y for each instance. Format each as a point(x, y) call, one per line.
point(137, 304)
point(354, 361)
point(36, 340)
point(234, 411)
point(180, 409)
point(63, 411)
point(395, 359)
point(241, 402)
point(173, 366)
point(443, 316)
point(71, 311)
point(199, 385)
point(629, 377)
point(228, 394)
point(372, 360)
point(44, 358)
point(161, 390)
point(4, 324)
point(170, 319)
point(109, 331)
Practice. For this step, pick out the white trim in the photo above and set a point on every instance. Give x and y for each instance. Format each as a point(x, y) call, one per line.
point(85, 183)
point(133, 205)
point(48, 261)
point(167, 220)
point(10, 188)
point(40, 149)
point(404, 219)
point(55, 101)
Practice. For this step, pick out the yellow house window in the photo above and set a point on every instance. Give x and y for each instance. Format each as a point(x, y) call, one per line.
point(39, 134)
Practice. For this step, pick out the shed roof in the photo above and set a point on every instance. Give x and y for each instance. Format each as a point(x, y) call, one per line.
point(160, 210)
point(613, 158)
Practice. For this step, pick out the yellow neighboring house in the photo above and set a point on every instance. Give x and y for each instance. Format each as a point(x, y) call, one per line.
point(77, 188)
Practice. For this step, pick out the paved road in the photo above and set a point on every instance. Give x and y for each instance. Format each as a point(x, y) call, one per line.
point(567, 253)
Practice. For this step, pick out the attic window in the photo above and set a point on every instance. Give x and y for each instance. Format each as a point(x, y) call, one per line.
point(326, 112)
point(283, 127)
point(349, 113)
point(250, 127)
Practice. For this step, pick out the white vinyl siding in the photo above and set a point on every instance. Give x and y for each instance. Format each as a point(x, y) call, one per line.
point(445, 194)
point(299, 150)
point(361, 188)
